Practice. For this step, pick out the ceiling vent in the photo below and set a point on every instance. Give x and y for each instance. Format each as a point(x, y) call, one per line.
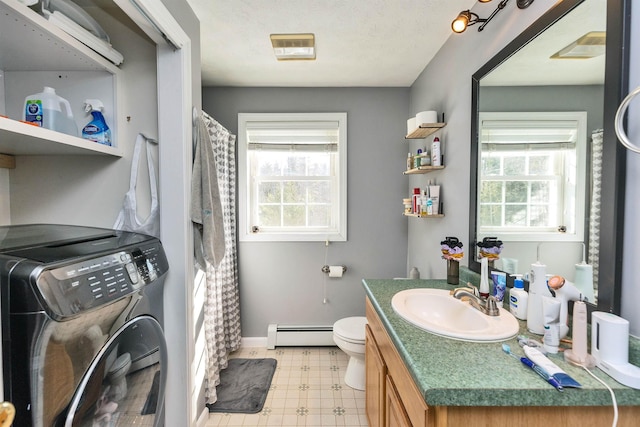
point(588, 46)
point(290, 47)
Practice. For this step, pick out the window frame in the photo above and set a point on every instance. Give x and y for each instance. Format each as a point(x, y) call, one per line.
point(244, 180)
point(580, 117)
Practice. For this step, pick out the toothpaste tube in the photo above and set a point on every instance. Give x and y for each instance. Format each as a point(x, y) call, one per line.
point(550, 368)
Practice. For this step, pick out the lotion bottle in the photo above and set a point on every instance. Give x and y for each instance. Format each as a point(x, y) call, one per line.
point(518, 299)
point(436, 159)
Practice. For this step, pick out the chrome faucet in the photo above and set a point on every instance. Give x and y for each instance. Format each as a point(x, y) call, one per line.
point(488, 306)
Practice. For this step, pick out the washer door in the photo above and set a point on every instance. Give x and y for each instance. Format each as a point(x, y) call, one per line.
point(125, 383)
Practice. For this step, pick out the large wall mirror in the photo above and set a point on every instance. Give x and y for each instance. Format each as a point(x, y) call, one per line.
point(547, 173)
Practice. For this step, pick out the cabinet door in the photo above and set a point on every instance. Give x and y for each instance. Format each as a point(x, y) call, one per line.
point(376, 372)
point(396, 414)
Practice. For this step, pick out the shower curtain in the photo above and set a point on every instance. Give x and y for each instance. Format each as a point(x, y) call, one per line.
point(594, 211)
point(216, 252)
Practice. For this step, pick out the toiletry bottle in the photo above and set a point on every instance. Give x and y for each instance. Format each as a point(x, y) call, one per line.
point(537, 289)
point(484, 277)
point(414, 273)
point(416, 201)
point(96, 130)
point(435, 152)
point(409, 161)
point(518, 299)
point(417, 158)
point(423, 206)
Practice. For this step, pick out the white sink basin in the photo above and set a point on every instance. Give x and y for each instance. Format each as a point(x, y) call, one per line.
point(436, 311)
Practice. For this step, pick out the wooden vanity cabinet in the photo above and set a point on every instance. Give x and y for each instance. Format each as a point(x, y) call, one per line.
point(392, 398)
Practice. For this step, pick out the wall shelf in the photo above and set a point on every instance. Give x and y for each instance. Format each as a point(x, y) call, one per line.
point(422, 169)
point(424, 130)
point(17, 138)
point(428, 216)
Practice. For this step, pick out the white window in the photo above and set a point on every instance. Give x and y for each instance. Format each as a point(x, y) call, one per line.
point(292, 176)
point(532, 175)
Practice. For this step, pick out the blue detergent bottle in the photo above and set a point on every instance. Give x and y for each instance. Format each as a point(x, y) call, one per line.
point(96, 130)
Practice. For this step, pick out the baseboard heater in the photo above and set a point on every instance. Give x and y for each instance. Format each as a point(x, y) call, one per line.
point(299, 336)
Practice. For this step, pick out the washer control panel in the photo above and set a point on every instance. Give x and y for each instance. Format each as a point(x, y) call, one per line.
point(84, 285)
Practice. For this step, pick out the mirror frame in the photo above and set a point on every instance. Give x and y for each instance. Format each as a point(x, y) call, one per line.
point(613, 155)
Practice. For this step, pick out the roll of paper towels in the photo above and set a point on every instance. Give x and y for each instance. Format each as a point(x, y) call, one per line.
point(335, 271)
point(427, 117)
point(411, 125)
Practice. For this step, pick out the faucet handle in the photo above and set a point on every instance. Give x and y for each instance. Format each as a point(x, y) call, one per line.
point(492, 306)
point(469, 288)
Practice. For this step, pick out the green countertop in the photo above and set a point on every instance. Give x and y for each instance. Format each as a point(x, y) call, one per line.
point(456, 373)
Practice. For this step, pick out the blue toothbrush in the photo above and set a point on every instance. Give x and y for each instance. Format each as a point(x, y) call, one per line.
point(527, 362)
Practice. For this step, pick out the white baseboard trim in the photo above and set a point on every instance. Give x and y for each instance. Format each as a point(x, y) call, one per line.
point(203, 418)
point(253, 341)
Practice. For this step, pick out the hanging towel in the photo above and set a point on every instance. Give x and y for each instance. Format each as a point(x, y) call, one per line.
point(206, 208)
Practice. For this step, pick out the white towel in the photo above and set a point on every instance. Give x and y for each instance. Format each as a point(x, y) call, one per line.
point(206, 209)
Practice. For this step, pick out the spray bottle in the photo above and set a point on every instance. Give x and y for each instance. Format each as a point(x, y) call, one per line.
point(537, 289)
point(96, 130)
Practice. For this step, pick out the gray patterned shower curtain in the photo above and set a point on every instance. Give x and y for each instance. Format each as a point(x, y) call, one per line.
point(594, 211)
point(222, 306)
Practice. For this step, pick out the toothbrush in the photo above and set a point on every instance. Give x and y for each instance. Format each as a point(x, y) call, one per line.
point(537, 369)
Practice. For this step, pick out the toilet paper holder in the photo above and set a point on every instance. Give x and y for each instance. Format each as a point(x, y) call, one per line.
point(325, 269)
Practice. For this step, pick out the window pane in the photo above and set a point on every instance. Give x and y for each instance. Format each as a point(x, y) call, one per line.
point(319, 164)
point(514, 165)
point(491, 192)
point(319, 192)
point(540, 216)
point(541, 165)
point(491, 215)
point(516, 215)
point(490, 165)
point(269, 215)
point(296, 165)
point(541, 192)
point(293, 216)
point(268, 163)
point(293, 192)
point(269, 192)
point(515, 192)
point(319, 216)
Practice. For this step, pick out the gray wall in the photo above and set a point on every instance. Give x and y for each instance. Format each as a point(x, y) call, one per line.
point(282, 282)
point(445, 85)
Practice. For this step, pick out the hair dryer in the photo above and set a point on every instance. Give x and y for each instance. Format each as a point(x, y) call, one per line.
point(565, 291)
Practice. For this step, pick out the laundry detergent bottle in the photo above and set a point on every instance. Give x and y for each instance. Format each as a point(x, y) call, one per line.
point(96, 130)
point(48, 110)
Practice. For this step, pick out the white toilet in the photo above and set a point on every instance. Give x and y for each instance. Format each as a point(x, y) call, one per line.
point(348, 334)
point(117, 376)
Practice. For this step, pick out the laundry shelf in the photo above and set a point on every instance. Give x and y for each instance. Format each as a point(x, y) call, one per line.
point(42, 45)
point(424, 130)
point(17, 138)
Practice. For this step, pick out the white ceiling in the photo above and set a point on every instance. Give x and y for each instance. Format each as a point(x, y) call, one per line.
point(359, 43)
point(532, 66)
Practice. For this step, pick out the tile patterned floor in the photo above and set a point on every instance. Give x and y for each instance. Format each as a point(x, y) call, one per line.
point(308, 389)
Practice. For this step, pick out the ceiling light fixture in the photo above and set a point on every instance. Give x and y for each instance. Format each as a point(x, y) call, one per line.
point(289, 47)
point(588, 46)
point(467, 18)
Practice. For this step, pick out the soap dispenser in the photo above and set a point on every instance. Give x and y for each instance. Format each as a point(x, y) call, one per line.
point(537, 290)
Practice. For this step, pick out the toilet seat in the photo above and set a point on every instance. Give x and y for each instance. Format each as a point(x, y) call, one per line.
point(351, 329)
point(121, 363)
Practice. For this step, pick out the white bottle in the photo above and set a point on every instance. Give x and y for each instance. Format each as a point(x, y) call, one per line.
point(518, 299)
point(537, 289)
point(484, 277)
point(436, 159)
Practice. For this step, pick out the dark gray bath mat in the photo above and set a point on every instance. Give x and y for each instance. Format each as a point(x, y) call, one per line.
point(244, 385)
